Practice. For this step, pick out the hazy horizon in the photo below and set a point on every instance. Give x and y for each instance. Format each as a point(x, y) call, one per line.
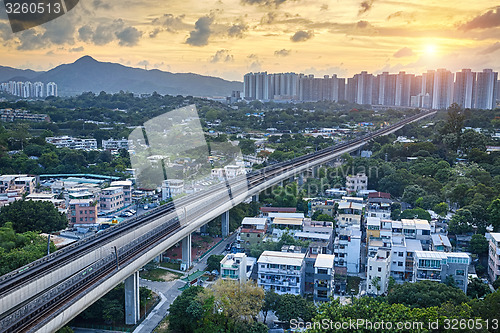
point(230, 38)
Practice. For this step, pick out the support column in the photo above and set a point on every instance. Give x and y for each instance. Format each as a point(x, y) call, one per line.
point(186, 251)
point(255, 198)
point(301, 179)
point(132, 306)
point(225, 224)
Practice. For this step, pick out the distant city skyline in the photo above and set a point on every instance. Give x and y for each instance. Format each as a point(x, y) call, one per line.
point(231, 37)
point(433, 89)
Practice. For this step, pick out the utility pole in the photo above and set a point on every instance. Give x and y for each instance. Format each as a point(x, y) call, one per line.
point(48, 244)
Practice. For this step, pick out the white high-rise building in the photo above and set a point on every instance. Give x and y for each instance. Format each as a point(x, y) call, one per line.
point(485, 92)
point(38, 89)
point(464, 88)
point(387, 88)
point(364, 88)
point(51, 89)
point(443, 89)
point(402, 92)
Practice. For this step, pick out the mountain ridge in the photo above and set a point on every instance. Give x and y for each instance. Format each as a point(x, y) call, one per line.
point(89, 74)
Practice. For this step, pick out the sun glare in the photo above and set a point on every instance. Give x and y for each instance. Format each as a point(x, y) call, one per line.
point(430, 49)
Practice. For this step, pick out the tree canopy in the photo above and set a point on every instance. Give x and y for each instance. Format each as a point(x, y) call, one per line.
point(424, 294)
point(28, 215)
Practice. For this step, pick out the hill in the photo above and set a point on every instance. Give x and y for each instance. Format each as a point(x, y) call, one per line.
point(88, 74)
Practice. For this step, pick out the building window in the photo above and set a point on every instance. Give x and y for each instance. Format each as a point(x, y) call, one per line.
point(400, 264)
point(460, 272)
point(370, 268)
point(400, 254)
point(380, 269)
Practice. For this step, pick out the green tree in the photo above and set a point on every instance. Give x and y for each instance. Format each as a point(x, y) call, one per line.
point(494, 214)
point(416, 213)
point(294, 307)
point(180, 320)
point(478, 245)
point(477, 289)
point(487, 308)
point(213, 262)
point(470, 139)
point(28, 215)
point(375, 282)
point(19, 249)
point(441, 209)
point(461, 222)
point(496, 283)
point(376, 310)
point(423, 294)
point(113, 311)
point(412, 193)
point(270, 302)
point(453, 126)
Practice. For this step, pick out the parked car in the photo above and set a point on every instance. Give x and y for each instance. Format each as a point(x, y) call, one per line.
point(146, 207)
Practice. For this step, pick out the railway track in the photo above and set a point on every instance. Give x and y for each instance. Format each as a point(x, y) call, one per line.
point(38, 308)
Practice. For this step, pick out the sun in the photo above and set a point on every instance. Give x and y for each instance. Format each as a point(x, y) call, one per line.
point(430, 49)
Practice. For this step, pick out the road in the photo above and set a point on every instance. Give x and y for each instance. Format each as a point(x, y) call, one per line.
point(168, 291)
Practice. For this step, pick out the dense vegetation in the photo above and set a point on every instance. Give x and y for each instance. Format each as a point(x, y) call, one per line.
point(219, 309)
point(19, 249)
point(29, 215)
point(110, 309)
point(446, 168)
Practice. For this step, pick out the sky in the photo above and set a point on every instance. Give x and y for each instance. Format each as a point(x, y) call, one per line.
point(228, 38)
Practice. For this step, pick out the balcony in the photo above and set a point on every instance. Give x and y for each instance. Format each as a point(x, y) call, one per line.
point(428, 276)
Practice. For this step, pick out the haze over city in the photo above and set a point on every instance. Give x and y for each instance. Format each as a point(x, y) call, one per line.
point(229, 38)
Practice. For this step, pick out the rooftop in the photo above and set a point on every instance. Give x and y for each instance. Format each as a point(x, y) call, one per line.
point(281, 258)
point(440, 240)
point(350, 205)
point(324, 260)
point(121, 183)
point(286, 215)
point(413, 245)
point(373, 220)
point(112, 188)
point(254, 220)
point(278, 209)
point(316, 235)
point(495, 236)
point(379, 195)
point(440, 255)
point(288, 221)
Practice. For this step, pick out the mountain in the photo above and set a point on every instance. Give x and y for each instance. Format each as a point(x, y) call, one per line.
point(8, 73)
point(88, 74)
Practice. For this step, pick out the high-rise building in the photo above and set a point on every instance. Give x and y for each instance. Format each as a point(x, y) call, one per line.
point(387, 88)
point(428, 83)
point(485, 92)
point(465, 82)
point(433, 89)
point(364, 88)
point(443, 89)
point(403, 88)
point(51, 89)
point(249, 86)
point(341, 84)
point(261, 86)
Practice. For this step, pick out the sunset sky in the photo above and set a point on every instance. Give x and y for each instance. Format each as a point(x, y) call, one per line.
point(228, 38)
